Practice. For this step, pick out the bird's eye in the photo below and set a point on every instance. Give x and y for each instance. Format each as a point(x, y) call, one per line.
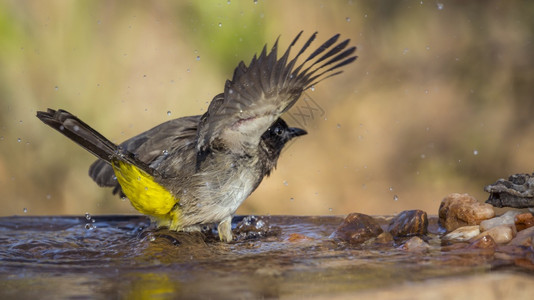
point(278, 130)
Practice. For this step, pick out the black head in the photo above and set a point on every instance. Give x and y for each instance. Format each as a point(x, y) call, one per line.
point(275, 138)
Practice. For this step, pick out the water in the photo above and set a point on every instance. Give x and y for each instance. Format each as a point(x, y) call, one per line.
point(123, 257)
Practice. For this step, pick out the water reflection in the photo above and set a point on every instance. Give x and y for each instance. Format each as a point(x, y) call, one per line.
point(123, 257)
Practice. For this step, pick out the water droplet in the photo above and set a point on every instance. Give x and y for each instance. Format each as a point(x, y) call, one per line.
point(475, 152)
point(152, 238)
point(439, 5)
point(25, 210)
point(19, 140)
point(338, 125)
point(405, 51)
point(123, 198)
point(347, 19)
point(220, 24)
point(427, 47)
point(168, 113)
point(61, 127)
point(198, 57)
point(330, 209)
point(365, 16)
point(291, 199)
point(1, 138)
point(285, 183)
point(56, 88)
point(255, 1)
point(89, 226)
point(423, 156)
point(395, 198)
point(48, 196)
point(146, 188)
point(391, 189)
point(165, 152)
point(76, 128)
point(228, 2)
point(87, 216)
point(312, 88)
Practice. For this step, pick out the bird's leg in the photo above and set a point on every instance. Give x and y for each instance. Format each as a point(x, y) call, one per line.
point(225, 229)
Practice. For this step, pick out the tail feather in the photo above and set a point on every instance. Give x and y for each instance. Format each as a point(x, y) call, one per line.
point(79, 132)
point(89, 139)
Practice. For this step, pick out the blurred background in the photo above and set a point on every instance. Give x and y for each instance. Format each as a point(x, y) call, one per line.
point(439, 101)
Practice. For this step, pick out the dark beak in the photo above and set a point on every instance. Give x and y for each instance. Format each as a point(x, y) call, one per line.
point(294, 132)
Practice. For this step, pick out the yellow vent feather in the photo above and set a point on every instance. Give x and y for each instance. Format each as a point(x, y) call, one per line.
point(145, 194)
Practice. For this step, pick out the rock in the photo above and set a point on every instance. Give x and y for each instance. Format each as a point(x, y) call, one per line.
point(483, 242)
point(517, 191)
point(409, 223)
point(384, 238)
point(415, 244)
point(457, 210)
point(463, 234)
point(507, 218)
point(524, 238)
point(297, 237)
point(524, 221)
point(501, 234)
point(357, 228)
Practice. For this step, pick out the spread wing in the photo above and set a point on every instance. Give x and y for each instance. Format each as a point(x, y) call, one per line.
point(260, 92)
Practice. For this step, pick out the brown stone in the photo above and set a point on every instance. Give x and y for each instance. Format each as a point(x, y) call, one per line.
point(415, 244)
point(483, 242)
point(409, 223)
point(457, 210)
point(357, 228)
point(524, 221)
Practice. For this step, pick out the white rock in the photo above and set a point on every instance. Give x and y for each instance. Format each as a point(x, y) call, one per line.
point(505, 219)
point(463, 233)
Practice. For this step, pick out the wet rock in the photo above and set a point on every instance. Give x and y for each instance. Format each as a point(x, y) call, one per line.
point(357, 228)
point(253, 227)
point(501, 234)
point(415, 244)
point(483, 242)
point(297, 237)
point(524, 221)
point(463, 234)
point(409, 223)
point(457, 210)
point(517, 191)
point(384, 238)
point(507, 218)
point(524, 238)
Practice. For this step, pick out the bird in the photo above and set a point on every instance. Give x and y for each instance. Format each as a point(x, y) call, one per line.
point(197, 170)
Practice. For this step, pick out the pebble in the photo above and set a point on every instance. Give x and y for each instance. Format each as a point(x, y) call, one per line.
point(457, 210)
point(409, 223)
point(524, 221)
point(501, 234)
point(507, 218)
point(524, 238)
point(483, 242)
point(463, 234)
point(415, 244)
point(357, 228)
